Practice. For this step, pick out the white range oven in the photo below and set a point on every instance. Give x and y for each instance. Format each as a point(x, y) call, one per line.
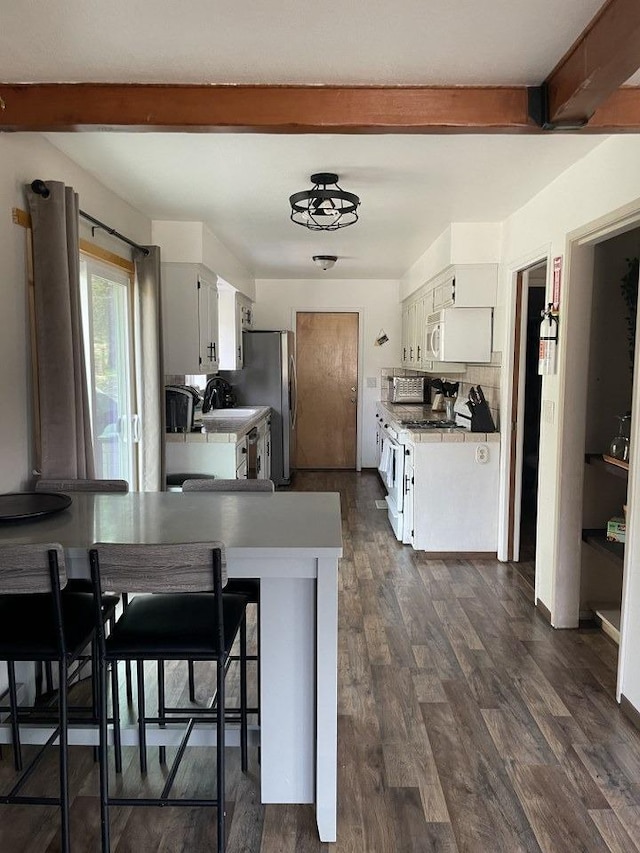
point(391, 469)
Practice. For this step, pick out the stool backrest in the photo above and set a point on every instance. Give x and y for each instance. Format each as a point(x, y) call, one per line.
point(228, 486)
point(82, 486)
point(187, 567)
point(31, 568)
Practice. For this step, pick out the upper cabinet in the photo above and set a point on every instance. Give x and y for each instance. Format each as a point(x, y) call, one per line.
point(466, 286)
point(462, 286)
point(190, 319)
point(236, 315)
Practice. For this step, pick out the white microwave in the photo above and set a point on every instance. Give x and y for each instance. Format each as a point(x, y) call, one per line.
point(460, 334)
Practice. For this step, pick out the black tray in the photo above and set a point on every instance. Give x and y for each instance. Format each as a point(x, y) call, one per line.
point(20, 506)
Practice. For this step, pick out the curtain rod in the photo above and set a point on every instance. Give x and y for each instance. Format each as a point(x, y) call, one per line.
point(40, 188)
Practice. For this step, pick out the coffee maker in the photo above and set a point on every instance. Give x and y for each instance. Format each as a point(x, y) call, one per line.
point(218, 394)
point(181, 403)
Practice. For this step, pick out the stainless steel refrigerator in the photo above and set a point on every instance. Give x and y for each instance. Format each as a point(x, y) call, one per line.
point(268, 378)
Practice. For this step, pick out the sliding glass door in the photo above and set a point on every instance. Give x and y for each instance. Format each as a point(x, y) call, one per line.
point(107, 320)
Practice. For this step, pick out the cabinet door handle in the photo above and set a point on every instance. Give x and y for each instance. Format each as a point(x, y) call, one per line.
point(240, 353)
point(410, 353)
point(404, 353)
point(418, 352)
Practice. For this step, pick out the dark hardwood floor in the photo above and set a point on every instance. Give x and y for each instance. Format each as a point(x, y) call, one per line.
point(465, 724)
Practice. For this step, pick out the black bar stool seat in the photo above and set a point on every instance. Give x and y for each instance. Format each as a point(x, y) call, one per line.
point(28, 627)
point(174, 626)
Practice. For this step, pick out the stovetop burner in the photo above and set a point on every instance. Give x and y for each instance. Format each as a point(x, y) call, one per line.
point(429, 424)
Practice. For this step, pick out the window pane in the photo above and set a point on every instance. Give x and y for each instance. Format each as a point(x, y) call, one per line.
point(108, 345)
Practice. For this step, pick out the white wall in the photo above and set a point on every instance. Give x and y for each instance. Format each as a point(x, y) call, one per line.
point(24, 157)
point(277, 300)
point(460, 243)
point(195, 243)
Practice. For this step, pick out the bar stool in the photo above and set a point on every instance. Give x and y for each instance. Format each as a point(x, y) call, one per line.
point(82, 584)
point(249, 587)
point(183, 621)
point(37, 623)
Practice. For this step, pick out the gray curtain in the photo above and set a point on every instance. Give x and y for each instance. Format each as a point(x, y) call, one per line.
point(150, 372)
point(65, 427)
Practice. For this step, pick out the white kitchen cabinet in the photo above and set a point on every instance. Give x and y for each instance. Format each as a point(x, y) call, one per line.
point(236, 313)
point(190, 319)
point(466, 286)
point(404, 359)
point(455, 495)
point(202, 454)
point(413, 333)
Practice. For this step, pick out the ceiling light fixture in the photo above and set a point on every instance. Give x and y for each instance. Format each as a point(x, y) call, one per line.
point(325, 262)
point(326, 206)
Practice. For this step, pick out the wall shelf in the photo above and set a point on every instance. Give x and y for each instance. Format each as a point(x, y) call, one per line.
point(597, 538)
point(612, 466)
point(609, 618)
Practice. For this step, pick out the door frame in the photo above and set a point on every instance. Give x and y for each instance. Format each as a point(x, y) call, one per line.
point(359, 407)
point(523, 284)
point(508, 386)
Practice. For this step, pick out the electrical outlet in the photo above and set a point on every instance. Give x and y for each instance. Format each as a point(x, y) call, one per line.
point(372, 382)
point(482, 454)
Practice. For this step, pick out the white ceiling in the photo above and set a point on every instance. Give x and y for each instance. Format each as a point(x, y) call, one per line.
point(288, 41)
point(411, 187)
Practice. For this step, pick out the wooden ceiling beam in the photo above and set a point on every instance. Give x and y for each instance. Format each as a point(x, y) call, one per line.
point(264, 109)
point(289, 109)
point(606, 55)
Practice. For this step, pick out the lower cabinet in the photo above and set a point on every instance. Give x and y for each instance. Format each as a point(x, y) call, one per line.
point(212, 454)
point(194, 454)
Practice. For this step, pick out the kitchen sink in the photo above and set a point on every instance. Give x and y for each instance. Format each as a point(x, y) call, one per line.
point(227, 414)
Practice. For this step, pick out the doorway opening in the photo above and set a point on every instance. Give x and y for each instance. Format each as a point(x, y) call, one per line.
point(526, 415)
point(610, 381)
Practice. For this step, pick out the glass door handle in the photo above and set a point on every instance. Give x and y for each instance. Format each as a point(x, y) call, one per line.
point(137, 428)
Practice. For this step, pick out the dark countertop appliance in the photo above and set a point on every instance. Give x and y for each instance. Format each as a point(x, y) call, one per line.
point(218, 394)
point(181, 403)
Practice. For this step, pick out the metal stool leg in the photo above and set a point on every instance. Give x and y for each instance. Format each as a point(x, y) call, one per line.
point(15, 729)
point(142, 730)
point(220, 741)
point(104, 767)
point(243, 695)
point(125, 604)
point(115, 702)
point(192, 681)
point(162, 751)
point(64, 756)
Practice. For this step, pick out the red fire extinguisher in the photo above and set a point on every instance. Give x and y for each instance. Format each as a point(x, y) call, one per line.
point(547, 359)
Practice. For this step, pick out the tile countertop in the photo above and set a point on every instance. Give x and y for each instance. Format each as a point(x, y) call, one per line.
point(222, 429)
point(397, 412)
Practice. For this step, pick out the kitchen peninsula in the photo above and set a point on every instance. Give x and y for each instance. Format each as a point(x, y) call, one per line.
point(222, 447)
point(292, 542)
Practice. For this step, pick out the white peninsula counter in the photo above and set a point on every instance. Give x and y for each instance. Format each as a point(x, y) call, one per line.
point(292, 542)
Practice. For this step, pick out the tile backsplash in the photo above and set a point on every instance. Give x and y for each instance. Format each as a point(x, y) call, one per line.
point(486, 375)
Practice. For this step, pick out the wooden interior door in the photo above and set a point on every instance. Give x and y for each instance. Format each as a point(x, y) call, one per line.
point(327, 366)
